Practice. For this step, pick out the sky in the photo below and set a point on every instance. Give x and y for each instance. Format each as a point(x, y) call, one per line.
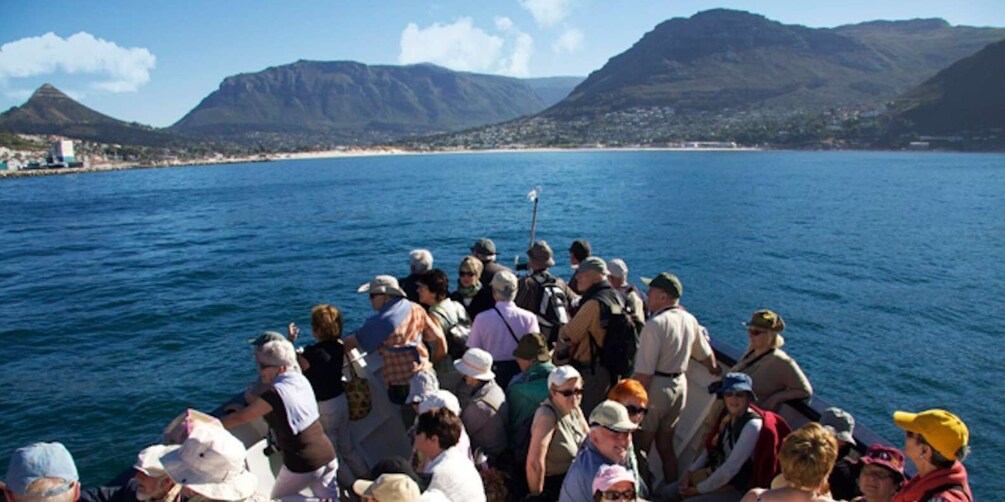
point(153, 61)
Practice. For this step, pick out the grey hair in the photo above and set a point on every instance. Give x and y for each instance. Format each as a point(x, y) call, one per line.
point(422, 260)
point(504, 284)
point(279, 353)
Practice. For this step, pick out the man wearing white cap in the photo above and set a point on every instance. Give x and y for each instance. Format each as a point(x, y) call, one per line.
point(149, 483)
point(485, 415)
point(609, 443)
point(397, 331)
point(211, 464)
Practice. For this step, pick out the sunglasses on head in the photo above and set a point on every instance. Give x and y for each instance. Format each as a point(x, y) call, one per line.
point(569, 393)
point(615, 495)
point(635, 410)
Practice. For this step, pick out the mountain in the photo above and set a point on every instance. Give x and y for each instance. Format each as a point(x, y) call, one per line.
point(726, 59)
point(310, 102)
point(49, 111)
point(966, 97)
point(551, 90)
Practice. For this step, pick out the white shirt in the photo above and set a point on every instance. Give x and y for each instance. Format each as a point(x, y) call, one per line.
point(456, 477)
point(736, 456)
point(434, 496)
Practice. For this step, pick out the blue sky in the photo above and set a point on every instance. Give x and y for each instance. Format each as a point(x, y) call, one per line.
point(153, 61)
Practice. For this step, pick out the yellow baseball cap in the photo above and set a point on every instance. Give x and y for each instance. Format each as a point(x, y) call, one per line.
point(941, 429)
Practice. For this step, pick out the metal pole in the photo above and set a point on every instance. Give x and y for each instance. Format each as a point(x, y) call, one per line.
point(533, 195)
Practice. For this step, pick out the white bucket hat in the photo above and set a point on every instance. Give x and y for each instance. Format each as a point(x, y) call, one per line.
point(212, 463)
point(382, 285)
point(149, 460)
point(477, 364)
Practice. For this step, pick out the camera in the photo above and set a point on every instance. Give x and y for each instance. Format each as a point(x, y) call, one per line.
point(519, 265)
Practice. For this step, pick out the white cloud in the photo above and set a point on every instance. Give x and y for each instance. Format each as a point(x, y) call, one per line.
point(458, 46)
point(547, 12)
point(504, 23)
point(464, 47)
point(120, 69)
point(570, 41)
point(518, 64)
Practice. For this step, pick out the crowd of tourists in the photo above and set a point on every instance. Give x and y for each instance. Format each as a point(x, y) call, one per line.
point(526, 388)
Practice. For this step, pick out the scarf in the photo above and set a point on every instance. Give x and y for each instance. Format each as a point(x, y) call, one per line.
point(298, 400)
point(470, 291)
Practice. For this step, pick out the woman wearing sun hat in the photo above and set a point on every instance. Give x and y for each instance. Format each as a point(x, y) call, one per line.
point(484, 415)
point(936, 441)
point(557, 430)
point(725, 468)
point(777, 377)
point(881, 474)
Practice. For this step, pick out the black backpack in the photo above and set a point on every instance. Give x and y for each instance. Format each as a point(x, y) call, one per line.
point(551, 305)
point(456, 330)
point(622, 339)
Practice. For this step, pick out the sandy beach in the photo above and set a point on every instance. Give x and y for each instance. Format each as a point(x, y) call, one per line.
point(339, 153)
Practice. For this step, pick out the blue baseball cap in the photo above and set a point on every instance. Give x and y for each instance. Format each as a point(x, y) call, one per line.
point(41, 460)
point(737, 382)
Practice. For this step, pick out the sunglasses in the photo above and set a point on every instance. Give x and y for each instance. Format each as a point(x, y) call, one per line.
point(374, 295)
point(625, 495)
point(266, 366)
point(885, 455)
point(916, 436)
point(466, 274)
point(635, 410)
point(570, 393)
point(755, 332)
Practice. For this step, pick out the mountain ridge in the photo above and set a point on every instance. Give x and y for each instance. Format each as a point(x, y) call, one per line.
point(966, 96)
point(50, 111)
point(354, 102)
point(728, 59)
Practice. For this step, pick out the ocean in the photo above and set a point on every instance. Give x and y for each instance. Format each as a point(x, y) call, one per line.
point(126, 297)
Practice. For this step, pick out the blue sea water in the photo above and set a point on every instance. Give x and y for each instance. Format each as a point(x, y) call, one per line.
point(126, 297)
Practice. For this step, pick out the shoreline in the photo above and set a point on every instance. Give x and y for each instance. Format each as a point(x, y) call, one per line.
point(364, 152)
point(331, 154)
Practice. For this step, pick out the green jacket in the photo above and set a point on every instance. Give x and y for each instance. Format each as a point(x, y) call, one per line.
point(526, 392)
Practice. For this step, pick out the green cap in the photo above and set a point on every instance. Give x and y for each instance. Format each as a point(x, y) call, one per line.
point(667, 282)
